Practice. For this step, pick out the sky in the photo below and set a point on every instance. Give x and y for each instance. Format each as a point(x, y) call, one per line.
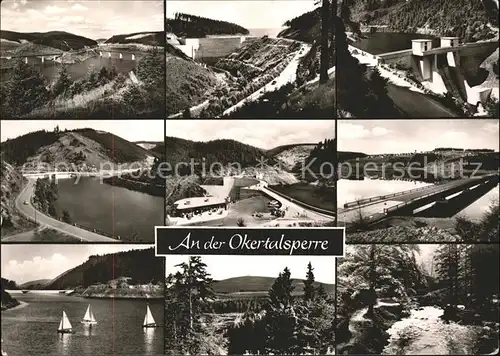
point(24, 263)
point(249, 14)
point(265, 134)
point(404, 136)
point(130, 130)
point(223, 267)
point(89, 18)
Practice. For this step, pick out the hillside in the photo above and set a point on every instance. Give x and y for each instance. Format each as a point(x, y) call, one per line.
point(37, 284)
point(343, 156)
point(156, 38)
point(195, 26)
point(258, 284)
point(141, 266)
point(82, 147)
point(11, 185)
point(32, 42)
point(306, 27)
point(467, 19)
point(6, 299)
point(222, 151)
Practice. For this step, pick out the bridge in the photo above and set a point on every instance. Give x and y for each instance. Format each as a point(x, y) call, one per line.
point(411, 202)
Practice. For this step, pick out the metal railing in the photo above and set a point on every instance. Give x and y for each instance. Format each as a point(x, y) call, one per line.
point(304, 205)
point(380, 197)
point(464, 186)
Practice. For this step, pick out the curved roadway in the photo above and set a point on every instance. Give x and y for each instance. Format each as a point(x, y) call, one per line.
point(31, 213)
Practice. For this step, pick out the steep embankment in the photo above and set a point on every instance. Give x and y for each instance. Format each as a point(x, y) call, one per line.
point(7, 301)
point(467, 19)
point(42, 42)
point(156, 38)
point(290, 155)
point(12, 182)
point(82, 148)
point(99, 275)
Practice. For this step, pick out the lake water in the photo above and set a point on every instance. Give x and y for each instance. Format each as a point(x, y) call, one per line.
point(111, 209)
point(352, 190)
point(382, 42)
point(32, 329)
point(49, 69)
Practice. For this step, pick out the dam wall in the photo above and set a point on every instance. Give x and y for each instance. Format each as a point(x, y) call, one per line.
point(213, 46)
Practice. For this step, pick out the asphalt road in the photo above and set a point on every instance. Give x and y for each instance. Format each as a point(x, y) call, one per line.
point(30, 212)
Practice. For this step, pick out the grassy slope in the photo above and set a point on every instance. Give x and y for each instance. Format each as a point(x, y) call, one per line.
point(189, 83)
point(141, 265)
point(257, 284)
point(59, 40)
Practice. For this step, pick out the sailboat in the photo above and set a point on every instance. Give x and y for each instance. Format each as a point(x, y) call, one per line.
point(89, 318)
point(65, 326)
point(149, 321)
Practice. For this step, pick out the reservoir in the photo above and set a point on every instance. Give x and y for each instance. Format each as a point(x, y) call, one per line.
point(352, 190)
point(30, 329)
point(77, 70)
point(383, 42)
point(115, 210)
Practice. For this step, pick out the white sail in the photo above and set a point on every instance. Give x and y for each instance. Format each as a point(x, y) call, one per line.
point(148, 319)
point(65, 324)
point(87, 316)
point(92, 318)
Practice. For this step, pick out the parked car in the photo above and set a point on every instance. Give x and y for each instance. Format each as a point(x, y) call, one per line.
point(25, 202)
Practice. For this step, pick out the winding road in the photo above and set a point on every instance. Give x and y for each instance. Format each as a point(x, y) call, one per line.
point(29, 211)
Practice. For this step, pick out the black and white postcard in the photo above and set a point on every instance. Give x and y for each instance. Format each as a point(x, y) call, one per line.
point(231, 173)
point(82, 300)
point(418, 180)
point(82, 59)
point(77, 181)
point(250, 59)
point(413, 299)
point(273, 305)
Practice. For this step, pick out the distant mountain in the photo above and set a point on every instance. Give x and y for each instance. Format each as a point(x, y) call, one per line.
point(141, 266)
point(82, 146)
point(18, 42)
point(36, 284)
point(258, 284)
point(186, 25)
point(343, 156)
point(150, 38)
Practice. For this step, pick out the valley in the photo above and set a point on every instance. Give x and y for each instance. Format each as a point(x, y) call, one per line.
point(79, 185)
point(74, 76)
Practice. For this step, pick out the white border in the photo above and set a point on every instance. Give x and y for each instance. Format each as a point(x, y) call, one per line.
point(252, 228)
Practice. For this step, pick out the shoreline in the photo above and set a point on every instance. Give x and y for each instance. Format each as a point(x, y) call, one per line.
point(19, 306)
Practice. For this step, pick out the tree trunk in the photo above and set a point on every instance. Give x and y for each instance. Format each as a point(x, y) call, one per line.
point(325, 24)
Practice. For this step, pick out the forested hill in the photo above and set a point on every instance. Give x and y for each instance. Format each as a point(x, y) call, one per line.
point(467, 19)
point(186, 25)
point(306, 27)
point(145, 38)
point(222, 152)
point(140, 265)
point(56, 39)
point(260, 284)
point(76, 146)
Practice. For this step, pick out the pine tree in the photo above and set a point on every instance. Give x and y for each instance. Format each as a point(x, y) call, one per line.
point(62, 83)
point(309, 291)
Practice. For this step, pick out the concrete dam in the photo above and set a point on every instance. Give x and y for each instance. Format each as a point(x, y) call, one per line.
point(450, 67)
point(211, 47)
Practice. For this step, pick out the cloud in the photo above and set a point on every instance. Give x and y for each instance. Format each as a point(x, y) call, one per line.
point(355, 131)
point(26, 271)
point(454, 136)
point(380, 131)
point(24, 2)
point(73, 19)
point(79, 7)
point(491, 127)
point(50, 9)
